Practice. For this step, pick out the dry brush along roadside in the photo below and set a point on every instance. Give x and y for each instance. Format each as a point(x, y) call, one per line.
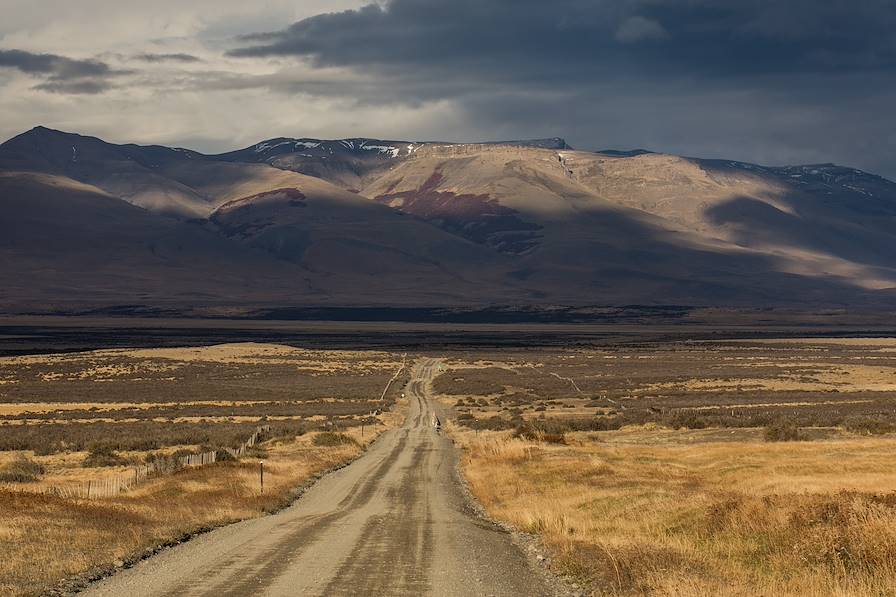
point(49, 537)
point(113, 485)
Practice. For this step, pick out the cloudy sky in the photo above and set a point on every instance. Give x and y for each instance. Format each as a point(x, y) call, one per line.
point(770, 81)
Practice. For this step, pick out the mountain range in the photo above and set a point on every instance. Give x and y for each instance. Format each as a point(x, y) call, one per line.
point(86, 224)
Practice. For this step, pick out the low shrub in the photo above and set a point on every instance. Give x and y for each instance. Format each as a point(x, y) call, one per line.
point(259, 452)
point(224, 456)
point(22, 470)
point(493, 423)
point(537, 432)
point(782, 431)
point(331, 438)
point(684, 420)
point(103, 455)
point(870, 425)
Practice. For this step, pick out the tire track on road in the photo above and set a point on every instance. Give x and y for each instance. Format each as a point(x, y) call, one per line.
point(392, 556)
point(299, 534)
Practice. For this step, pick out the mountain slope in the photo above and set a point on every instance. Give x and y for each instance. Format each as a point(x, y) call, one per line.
point(362, 251)
point(654, 227)
point(365, 222)
point(175, 182)
point(66, 243)
point(818, 221)
point(345, 162)
point(126, 171)
point(348, 163)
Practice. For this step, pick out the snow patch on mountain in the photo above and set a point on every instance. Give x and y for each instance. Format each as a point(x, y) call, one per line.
point(267, 146)
point(390, 149)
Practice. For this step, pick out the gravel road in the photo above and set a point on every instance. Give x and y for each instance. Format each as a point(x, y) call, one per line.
point(394, 522)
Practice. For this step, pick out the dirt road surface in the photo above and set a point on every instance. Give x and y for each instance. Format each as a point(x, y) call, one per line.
point(394, 522)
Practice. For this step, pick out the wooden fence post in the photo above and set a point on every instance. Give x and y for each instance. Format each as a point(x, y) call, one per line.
point(261, 476)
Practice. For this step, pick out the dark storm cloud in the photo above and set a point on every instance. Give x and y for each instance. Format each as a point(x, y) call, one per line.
point(156, 58)
point(761, 80)
point(61, 74)
point(582, 38)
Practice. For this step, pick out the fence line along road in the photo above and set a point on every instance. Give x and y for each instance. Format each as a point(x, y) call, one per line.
point(253, 439)
point(115, 484)
point(404, 358)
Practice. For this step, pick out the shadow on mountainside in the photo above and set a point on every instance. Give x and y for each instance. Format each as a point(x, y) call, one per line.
point(861, 238)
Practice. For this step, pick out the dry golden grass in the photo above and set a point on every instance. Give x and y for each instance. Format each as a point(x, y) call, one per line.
point(220, 394)
point(685, 497)
point(693, 517)
point(44, 539)
point(854, 378)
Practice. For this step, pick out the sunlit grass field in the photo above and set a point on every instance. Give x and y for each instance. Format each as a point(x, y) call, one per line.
point(724, 469)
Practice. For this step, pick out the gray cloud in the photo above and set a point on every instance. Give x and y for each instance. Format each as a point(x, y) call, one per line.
point(771, 81)
point(156, 58)
point(712, 37)
point(74, 86)
point(57, 66)
point(61, 74)
point(515, 65)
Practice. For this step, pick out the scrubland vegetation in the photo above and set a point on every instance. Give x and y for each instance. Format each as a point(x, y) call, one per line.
point(46, 538)
point(726, 468)
point(689, 385)
point(68, 418)
point(21, 470)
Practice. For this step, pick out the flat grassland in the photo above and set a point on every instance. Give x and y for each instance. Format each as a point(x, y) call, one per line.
point(694, 468)
point(67, 418)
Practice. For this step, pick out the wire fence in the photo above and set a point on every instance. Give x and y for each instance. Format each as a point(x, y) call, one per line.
point(394, 377)
point(113, 485)
point(253, 439)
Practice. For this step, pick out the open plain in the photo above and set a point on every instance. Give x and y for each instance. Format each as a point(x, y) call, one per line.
point(670, 463)
point(72, 423)
point(492, 298)
point(759, 467)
